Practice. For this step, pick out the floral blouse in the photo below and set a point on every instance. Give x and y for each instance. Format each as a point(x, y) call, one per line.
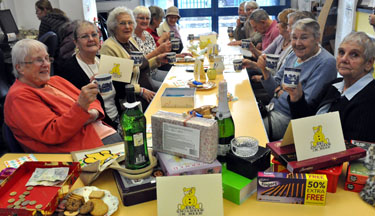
point(146, 46)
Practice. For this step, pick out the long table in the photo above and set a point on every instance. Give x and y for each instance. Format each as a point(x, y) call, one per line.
point(248, 123)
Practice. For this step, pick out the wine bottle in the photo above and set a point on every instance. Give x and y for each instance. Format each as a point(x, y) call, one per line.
point(133, 123)
point(225, 123)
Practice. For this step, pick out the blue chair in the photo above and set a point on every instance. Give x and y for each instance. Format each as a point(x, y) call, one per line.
point(10, 140)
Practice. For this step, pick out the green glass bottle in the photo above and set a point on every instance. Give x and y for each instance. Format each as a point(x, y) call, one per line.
point(133, 123)
point(225, 123)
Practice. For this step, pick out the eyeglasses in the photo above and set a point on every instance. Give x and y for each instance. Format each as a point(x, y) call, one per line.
point(87, 36)
point(39, 61)
point(124, 23)
point(143, 18)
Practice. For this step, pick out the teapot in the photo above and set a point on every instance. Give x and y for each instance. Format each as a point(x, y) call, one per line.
point(219, 64)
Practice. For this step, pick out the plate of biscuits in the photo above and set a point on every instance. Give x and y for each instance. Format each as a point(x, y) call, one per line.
point(91, 200)
point(201, 85)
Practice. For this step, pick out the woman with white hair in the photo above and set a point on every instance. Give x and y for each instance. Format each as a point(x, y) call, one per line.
point(353, 95)
point(49, 114)
point(317, 69)
point(146, 42)
point(120, 24)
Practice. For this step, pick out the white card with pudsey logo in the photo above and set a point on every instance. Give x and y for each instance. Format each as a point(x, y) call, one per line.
point(315, 136)
point(190, 195)
point(120, 68)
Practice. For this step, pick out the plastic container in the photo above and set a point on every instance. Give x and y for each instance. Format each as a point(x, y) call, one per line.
point(332, 174)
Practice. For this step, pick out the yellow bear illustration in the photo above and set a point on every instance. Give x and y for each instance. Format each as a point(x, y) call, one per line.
point(319, 136)
point(116, 69)
point(189, 199)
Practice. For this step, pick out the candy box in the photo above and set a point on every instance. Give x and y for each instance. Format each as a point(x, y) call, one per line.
point(46, 197)
point(249, 166)
point(173, 165)
point(295, 188)
point(189, 137)
point(333, 174)
point(278, 167)
point(357, 173)
point(349, 186)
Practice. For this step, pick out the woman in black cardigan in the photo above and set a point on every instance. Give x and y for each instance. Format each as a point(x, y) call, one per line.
point(81, 68)
point(353, 95)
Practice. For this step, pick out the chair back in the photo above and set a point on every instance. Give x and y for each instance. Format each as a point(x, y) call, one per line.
point(10, 140)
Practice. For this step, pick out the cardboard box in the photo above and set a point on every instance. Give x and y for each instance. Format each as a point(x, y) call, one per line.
point(349, 186)
point(174, 166)
point(237, 188)
point(298, 188)
point(357, 173)
point(250, 166)
point(51, 194)
point(178, 97)
point(287, 156)
point(133, 192)
point(187, 137)
point(278, 167)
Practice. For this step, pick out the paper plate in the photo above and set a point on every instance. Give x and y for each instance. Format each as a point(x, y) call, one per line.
point(206, 86)
point(111, 201)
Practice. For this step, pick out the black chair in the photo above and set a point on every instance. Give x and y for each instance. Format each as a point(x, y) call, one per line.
point(51, 40)
point(10, 140)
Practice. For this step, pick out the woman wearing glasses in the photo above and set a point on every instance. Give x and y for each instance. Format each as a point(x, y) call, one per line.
point(120, 25)
point(147, 43)
point(49, 114)
point(81, 68)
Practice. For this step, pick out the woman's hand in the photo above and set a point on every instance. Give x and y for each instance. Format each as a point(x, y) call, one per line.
point(247, 63)
point(148, 95)
point(87, 95)
point(256, 78)
point(262, 65)
point(238, 22)
point(94, 114)
point(294, 93)
point(164, 38)
point(234, 43)
point(164, 47)
point(162, 58)
point(371, 19)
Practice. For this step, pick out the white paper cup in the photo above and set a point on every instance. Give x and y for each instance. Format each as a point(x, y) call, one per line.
point(104, 82)
point(137, 57)
point(291, 77)
point(237, 65)
point(271, 62)
point(245, 43)
point(175, 44)
point(171, 57)
point(244, 146)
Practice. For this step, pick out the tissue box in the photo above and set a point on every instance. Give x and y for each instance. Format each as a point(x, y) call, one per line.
point(174, 166)
point(250, 166)
point(178, 97)
point(187, 137)
point(295, 188)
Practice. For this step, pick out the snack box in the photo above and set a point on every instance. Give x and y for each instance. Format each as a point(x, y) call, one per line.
point(250, 166)
point(178, 97)
point(136, 191)
point(295, 188)
point(349, 186)
point(237, 188)
point(189, 137)
point(174, 166)
point(47, 196)
point(332, 174)
point(357, 173)
point(287, 156)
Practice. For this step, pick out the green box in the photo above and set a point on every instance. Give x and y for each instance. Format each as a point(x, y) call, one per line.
point(237, 188)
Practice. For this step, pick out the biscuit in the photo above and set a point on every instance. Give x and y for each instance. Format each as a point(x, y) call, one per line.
point(96, 194)
point(69, 213)
point(73, 204)
point(100, 208)
point(87, 207)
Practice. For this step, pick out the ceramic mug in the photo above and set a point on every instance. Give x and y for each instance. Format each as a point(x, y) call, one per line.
point(104, 82)
point(291, 77)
